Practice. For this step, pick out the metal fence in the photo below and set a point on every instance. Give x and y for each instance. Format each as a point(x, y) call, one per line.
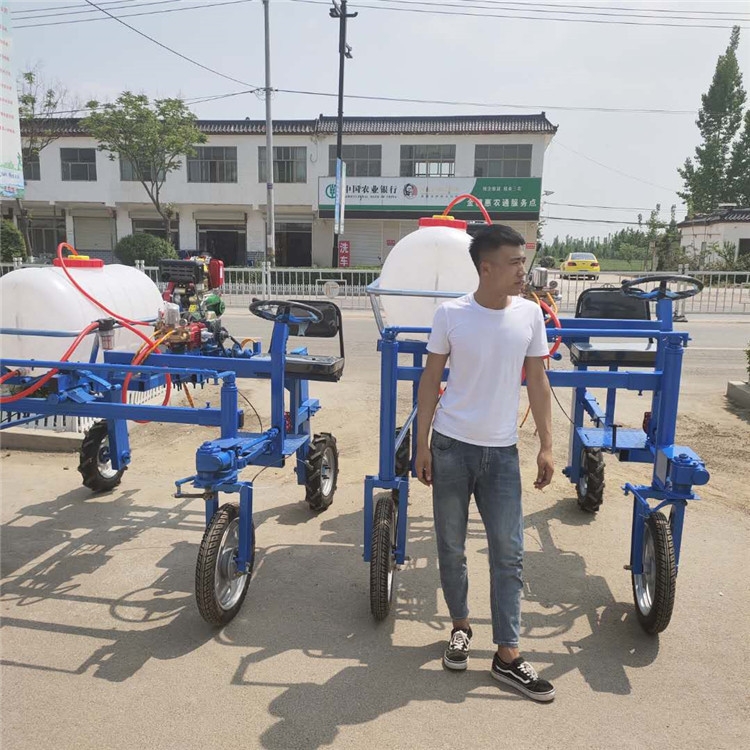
point(723, 292)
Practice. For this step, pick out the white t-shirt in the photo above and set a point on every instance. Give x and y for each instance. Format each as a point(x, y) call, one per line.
point(486, 351)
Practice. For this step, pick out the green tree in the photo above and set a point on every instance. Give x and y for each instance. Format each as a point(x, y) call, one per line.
point(152, 137)
point(738, 174)
point(11, 242)
point(706, 182)
point(144, 247)
point(40, 104)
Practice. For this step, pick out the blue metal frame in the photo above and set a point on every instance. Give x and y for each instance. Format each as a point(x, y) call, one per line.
point(676, 468)
point(91, 389)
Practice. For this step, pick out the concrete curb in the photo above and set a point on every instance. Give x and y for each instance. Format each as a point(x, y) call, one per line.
point(739, 394)
point(44, 441)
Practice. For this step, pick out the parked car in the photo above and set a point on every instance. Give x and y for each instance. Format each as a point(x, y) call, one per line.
point(582, 265)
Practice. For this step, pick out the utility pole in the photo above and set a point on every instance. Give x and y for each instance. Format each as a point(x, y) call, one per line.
point(270, 258)
point(345, 51)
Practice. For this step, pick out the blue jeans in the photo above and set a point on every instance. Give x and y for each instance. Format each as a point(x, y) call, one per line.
point(493, 476)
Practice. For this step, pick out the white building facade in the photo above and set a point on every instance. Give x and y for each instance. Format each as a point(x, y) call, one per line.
point(398, 169)
point(703, 235)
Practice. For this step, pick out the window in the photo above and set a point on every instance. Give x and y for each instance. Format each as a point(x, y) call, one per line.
point(31, 168)
point(46, 235)
point(213, 164)
point(582, 256)
point(428, 161)
point(155, 227)
point(289, 164)
point(78, 164)
point(502, 161)
point(128, 173)
point(361, 161)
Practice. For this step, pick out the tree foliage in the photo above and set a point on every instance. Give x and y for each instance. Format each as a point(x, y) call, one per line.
point(713, 177)
point(152, 136)
point(142, 246)
point(11, 242)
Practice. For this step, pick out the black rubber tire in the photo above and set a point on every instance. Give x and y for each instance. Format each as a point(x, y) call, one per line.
point(315, 495)
point(382, 560)
point(665, 568)
point(403, 459)
point(592, 468)
point(205, 569)
point(88, 464)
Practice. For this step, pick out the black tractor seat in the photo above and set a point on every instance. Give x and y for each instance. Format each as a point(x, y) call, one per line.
point(315, 367)
point(621, 354)
point(610, 303)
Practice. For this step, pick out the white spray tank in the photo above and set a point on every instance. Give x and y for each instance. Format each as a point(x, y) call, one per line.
point(44, 299)
point(433, 258)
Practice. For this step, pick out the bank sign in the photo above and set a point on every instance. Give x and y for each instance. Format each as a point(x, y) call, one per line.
point(432, 194)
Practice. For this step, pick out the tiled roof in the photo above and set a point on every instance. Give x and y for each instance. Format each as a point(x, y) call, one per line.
point(438, 125)
point(720, 216)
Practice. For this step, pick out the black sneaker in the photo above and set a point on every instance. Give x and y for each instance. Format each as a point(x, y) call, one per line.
point(457, 654)
point(523, 677)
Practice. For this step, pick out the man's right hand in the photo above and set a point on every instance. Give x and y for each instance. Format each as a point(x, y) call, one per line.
point(423, 465)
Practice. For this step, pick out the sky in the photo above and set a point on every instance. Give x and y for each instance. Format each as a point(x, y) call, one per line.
point(571, 60)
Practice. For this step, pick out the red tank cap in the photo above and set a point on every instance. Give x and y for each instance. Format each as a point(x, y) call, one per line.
point(443, 221)
point(74, 262)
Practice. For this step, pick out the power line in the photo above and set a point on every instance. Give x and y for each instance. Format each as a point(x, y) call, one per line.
point(134, 15)
point(557, 142)
point(591, 221)
point(63, 7)
point(611, 7)
point(608, 208)
point(435, 11)
point(557, 9)
point(495, 105)
point(36, 14)
point(169, 49)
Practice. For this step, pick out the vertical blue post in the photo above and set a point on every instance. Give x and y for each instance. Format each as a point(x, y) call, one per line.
point(418, 362)
point(676, 521)
point(575, 444)
point(670, 393)
point(212, 505)
point(401, 522)
point(278, 364)
point(609, 418)
point(664, 314)
point(388, 405)
point(640, 511)
point(229, 407)
point(245, 552)
point(368, 513)
point(298, 395)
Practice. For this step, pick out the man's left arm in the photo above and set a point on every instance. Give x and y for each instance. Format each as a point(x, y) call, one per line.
point(537, 386)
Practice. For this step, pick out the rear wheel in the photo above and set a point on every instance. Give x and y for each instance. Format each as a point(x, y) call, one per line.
point(322, 471)
point(590, 487)
point(654, 588)
point(95, 461)
point(382, 559)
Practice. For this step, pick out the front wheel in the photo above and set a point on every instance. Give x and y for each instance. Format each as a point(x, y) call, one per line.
point(654, 588)
point(382, 559)
point(220, 588)
point(95, 461)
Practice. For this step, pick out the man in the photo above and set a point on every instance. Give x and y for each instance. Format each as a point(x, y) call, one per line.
point(489, 337)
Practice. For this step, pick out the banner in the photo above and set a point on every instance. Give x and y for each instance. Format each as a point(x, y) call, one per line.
point(11, 163)
point(420, 194)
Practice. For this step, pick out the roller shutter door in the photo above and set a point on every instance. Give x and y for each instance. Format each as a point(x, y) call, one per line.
point(93, 233)
point(366, 239)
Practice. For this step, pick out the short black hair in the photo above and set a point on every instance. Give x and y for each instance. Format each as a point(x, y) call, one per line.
point(492, 238)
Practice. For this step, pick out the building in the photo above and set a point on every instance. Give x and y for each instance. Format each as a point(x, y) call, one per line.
point(398, 169)
point(728, 226)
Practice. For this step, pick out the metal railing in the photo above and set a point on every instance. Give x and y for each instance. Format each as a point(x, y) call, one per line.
point(723, 292)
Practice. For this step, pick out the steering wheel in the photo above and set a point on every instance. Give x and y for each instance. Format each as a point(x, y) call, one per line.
point(629, 287)
point(281, 312)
